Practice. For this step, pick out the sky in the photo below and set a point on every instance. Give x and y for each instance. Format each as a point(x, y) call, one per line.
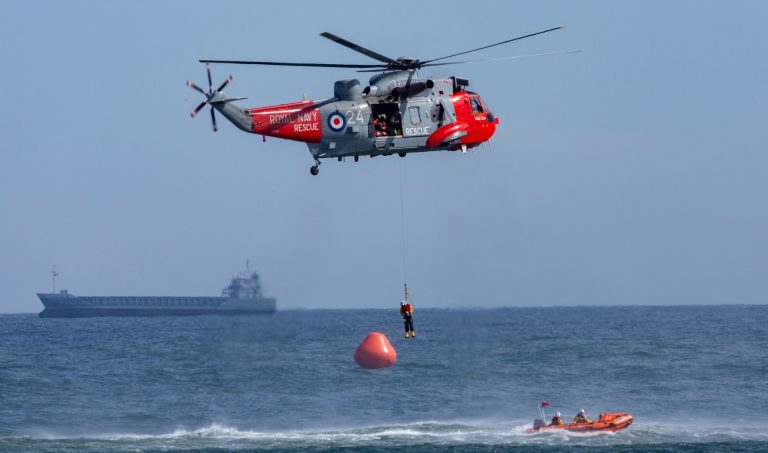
point(633, 172)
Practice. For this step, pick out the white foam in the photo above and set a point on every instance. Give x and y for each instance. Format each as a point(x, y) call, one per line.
point(444, 433)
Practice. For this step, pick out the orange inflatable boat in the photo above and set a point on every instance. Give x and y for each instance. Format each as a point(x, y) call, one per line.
point(606, 422)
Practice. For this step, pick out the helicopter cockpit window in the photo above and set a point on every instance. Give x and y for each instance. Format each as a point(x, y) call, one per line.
point(477, 107)
point(485, 106)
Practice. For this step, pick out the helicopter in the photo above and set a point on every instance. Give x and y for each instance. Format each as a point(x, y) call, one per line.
point(398, 112)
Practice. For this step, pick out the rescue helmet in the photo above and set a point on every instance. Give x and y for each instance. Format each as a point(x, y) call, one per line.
point(557, 414)
point(402, 302)
point(581, 411)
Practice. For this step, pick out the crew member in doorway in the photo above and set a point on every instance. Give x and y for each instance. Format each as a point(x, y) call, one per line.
point(380, 125)
point(406, 311)
point(396, 127)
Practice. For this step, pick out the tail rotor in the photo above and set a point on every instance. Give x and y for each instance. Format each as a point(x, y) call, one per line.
point(209, 95)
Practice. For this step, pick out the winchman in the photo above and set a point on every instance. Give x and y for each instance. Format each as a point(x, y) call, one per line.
point(380, 125)
point(406, 311)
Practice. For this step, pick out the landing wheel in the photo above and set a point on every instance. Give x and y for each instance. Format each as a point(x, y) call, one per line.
point(315, 169)
point(401, 154)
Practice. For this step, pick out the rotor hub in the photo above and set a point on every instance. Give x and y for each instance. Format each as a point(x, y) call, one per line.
point(406, 63)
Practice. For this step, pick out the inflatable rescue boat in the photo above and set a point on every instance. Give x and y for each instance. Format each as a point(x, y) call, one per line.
point(606, 422)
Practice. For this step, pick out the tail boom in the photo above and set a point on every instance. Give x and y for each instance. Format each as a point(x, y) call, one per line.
point(299, 121)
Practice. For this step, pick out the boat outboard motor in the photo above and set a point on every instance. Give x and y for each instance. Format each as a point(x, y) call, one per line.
point(347, 90)
point(538, 423)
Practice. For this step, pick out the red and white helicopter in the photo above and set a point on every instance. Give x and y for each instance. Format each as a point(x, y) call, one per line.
point(397, 112)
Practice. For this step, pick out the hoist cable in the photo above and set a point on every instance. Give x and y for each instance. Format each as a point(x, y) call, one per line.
point(402, 231)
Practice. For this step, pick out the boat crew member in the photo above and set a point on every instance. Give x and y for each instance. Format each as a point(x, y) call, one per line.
point(581, 417)
point(406, 311)
point(556, 420)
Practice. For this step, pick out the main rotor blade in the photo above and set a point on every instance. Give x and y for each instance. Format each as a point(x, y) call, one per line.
point(197, 109)
point(356, 48)
point(229, 79)
point(195, 87)
point(213, 119)
point(513, 57)
point(372, 70)
point(309, 65)
point(210, 83)
point(493, 45)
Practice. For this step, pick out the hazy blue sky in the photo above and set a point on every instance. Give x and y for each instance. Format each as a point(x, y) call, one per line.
point(632, 173)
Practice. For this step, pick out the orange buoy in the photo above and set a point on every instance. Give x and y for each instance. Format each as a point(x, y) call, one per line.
point(375, 352)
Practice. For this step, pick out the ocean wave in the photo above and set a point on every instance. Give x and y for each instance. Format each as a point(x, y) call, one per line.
point(423, 433)
point(426, 431)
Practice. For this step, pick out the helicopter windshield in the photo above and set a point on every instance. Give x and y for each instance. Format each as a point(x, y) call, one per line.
point(477, 106)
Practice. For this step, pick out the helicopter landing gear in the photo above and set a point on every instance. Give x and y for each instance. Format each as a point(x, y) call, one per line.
point(315, 169)
point(401, 154)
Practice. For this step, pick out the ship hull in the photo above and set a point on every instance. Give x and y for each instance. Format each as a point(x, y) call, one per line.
point(97, 312)
point(70, 306)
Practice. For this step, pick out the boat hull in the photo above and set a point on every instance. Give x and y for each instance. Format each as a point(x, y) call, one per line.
point(609, 422)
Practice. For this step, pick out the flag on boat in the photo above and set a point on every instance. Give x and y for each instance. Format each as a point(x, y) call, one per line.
point(544, 403)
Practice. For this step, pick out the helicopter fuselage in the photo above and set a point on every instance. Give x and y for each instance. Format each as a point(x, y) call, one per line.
point(396, 113)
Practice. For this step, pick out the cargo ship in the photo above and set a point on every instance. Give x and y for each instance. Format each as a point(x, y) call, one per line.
point(243, 296)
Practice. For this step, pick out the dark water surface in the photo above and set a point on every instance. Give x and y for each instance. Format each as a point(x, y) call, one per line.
point(695, 378)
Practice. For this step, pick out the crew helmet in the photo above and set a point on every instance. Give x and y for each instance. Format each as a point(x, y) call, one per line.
point(581, 411)
point(557, 414)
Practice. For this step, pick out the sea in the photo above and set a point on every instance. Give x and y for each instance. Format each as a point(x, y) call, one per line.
point(694, 377)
